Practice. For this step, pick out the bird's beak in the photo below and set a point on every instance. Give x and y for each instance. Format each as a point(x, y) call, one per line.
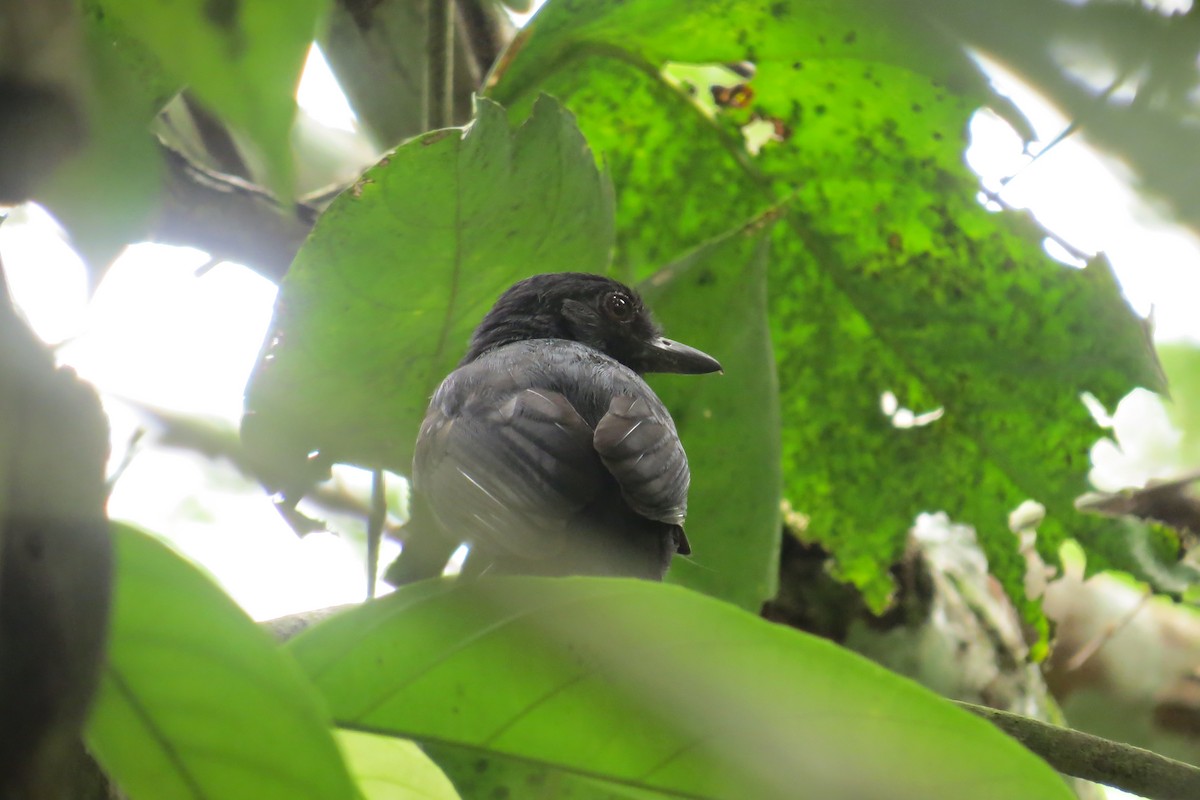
point(664, 355)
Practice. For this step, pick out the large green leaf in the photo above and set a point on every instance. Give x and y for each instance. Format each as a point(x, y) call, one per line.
point(715, 298)
point(887, 275)
point(197, 700)
point(654, 687)
point(725, 31)
point(380, 303)
point(1181, 362)
point(243, 59)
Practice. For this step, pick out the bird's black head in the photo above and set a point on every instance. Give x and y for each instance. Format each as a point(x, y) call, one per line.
point(593, 310)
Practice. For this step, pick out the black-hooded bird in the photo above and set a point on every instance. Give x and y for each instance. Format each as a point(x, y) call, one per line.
point(545, 451)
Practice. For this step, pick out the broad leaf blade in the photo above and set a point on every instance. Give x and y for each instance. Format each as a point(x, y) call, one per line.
point(654, 687)
point(197, 700)
point(715, 298)
point(715, 31)
point(380, 303)
point(1181, 362)
point(886, 275)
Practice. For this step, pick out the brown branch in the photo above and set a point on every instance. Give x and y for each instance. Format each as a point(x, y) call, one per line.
point(1171, 502)
point(285, 628)
point(218, 142)
point(231, 219)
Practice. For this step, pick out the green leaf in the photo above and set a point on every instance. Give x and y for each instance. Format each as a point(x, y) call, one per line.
point(387, 768)
point(197, 700)
point(154, 86)
point(720, 32)
point(887, 275)
point(1181, 363)
point(653, 687)
point(242, 59)
point(380, 302)
point(715, 298)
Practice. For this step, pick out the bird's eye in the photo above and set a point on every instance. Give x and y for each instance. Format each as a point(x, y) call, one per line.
point(619, 306)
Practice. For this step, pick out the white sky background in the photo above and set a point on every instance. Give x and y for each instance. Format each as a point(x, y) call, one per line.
point(157, 333)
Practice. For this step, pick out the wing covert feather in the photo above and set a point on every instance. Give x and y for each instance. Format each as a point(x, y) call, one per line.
point(510, 475)
point(638, 444)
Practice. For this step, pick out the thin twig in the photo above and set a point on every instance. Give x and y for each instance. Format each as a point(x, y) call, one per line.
point(439, 83)
point(1082, 755)
point(228, 217)
point(375, 525)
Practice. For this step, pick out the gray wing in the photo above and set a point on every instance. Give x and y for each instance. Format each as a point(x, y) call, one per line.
point(509, 476)
point(637, 442)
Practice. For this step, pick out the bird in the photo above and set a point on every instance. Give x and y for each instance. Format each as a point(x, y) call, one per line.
point(544, 450)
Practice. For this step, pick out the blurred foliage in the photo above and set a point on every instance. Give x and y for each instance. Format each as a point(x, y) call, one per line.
point(195, 700)
point(104, 194)
point(242, 60)
point(580, 658)
point(1125, 73)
